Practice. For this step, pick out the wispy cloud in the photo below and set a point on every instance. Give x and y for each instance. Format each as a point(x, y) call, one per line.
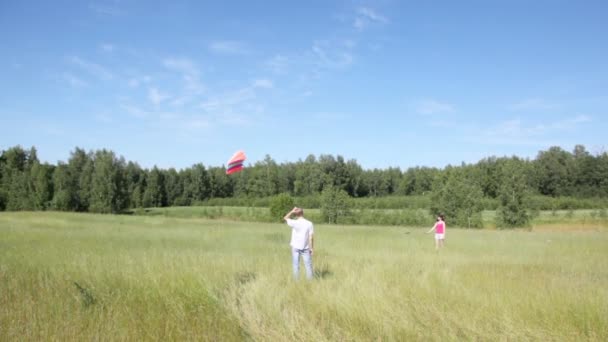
point(190, 74)
point(237, 107)
point(182, 65)
point(73, 81)
point(229, 47)
point(106, 9)
point(278, 64)
point(104, 118)
point(135, 82)
point(518, 132)
point(156, 96)
point(106, 47)
point(429, 107)
point(197, 122)
point(532, 104)
point(227, 100)
point(330, 56)
point(92, 68)
point(135, 111)
point(51, 129)
point(263, 83)
point(366, 16)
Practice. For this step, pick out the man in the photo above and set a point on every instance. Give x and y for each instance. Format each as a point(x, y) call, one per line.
point(301, 243)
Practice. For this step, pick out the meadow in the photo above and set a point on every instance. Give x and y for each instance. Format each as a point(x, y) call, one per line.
point(68, 276)
point(580, 219)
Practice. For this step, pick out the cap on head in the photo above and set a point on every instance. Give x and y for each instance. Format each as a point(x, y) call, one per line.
point(299, 212)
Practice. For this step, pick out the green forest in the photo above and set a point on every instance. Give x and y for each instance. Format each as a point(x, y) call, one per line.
point(102, 182)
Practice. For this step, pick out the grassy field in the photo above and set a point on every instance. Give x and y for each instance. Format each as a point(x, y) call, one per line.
point(581, 219)
point(66, 276)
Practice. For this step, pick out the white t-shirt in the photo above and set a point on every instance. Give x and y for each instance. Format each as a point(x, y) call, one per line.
point(301, 230)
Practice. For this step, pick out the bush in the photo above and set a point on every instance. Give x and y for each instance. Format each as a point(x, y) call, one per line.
point(279, 205)
point(392, 202)
point(335, 205)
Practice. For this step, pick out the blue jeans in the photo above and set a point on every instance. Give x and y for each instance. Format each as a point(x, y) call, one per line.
point(295, 259)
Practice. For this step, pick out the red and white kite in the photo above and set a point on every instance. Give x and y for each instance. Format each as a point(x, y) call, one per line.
point(235, 164)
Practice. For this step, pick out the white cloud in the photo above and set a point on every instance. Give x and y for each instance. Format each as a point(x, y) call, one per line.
point(197, 123)
point(429, 107)
point(156, 97)
point(564, 124)
point(234, 120)
point(229, 47)
point(182, 65)
point(190, 75)
point(106, 47)
point(104, 118)
point(135, 111)
point(367, 16)
point(327, 55)
point(135, 82)
point(73, 81)
point(236, 107)
point(92, 68)
point(349, 43)
point(518, 132)
point(581, 118)
point(278, 64)
point(226, 101)
point(262, 83)
point(532, 104)
point(106, 9)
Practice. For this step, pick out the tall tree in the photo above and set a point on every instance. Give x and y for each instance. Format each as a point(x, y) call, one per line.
point(65, 189)
point(264, 178)
point(81, 168)
point(198, 185)
point(42, 189)
point(108, 193)
point(309, 177)
point(16, 179)
point(513, 195)
point(554, 170)
point(155, 194)
point(418, 180)
point(173, 186)
point(458, 196)
point(377, 183)
point(219, 183)
point(135, 184)
point(355, 186)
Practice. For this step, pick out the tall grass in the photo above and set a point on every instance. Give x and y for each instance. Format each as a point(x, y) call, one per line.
point(90, 277)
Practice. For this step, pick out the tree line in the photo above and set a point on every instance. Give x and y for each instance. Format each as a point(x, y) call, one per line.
point(100, 181)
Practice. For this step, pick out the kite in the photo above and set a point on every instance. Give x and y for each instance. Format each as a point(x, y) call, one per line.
point(235, 164)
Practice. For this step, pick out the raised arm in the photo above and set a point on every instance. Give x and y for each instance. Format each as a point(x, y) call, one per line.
point(288, 215)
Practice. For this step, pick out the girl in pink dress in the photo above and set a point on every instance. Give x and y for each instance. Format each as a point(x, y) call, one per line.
point(439, 229)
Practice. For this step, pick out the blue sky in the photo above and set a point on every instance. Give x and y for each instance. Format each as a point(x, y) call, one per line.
point(388, 83)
